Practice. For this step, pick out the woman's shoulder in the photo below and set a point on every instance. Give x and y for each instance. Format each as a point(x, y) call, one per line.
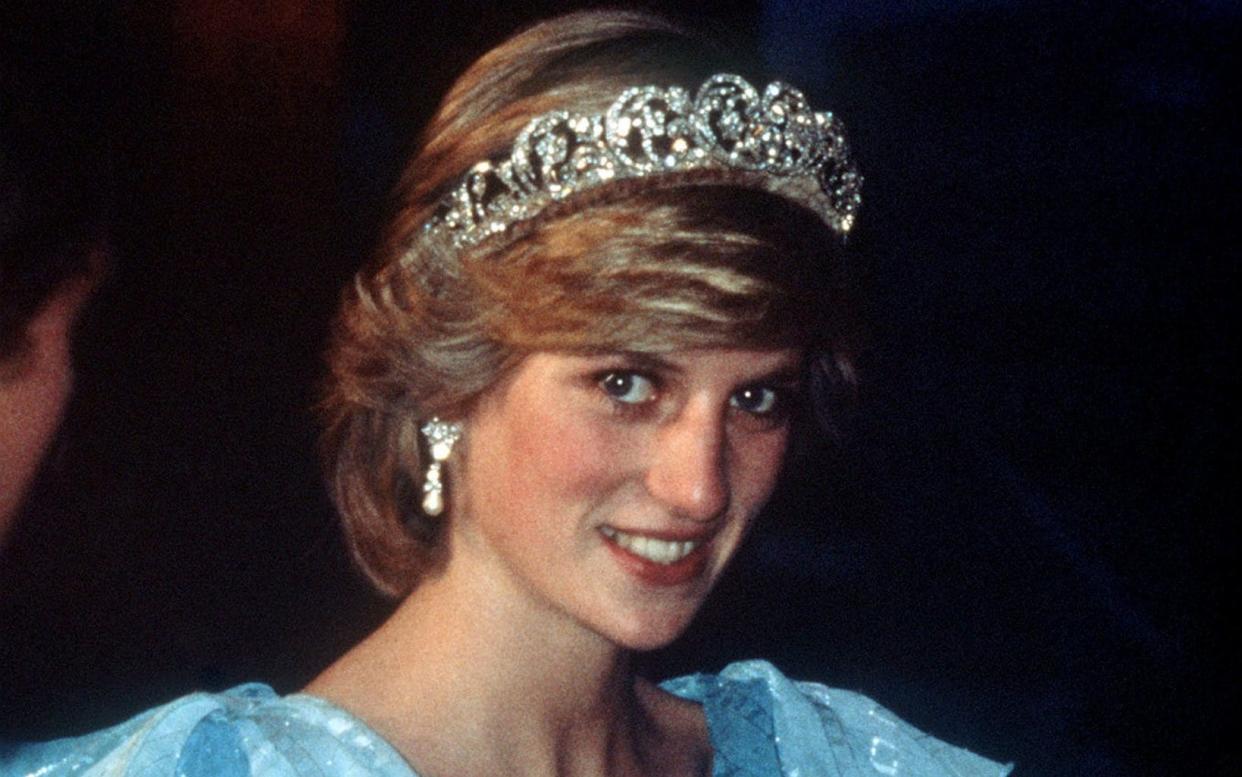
point(243, 732)
point(762, 722)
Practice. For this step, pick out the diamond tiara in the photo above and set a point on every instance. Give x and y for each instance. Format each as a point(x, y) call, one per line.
point(774, 141)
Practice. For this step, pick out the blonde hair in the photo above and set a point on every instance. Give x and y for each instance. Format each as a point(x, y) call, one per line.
point(643, 265)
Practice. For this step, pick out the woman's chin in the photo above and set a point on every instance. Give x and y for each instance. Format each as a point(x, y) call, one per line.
point(649, 632)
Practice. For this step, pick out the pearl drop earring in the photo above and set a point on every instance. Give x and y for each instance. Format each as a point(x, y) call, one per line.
point(441, 436)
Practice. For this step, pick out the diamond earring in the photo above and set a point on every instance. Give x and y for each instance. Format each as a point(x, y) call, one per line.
point(441, 435)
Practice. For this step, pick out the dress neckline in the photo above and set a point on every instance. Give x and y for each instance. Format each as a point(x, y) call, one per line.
point(714, 701)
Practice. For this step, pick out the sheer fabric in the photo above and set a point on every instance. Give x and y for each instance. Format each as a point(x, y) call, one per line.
point(761, 723)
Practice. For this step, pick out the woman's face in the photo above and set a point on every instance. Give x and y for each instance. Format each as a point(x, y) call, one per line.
point(613, 489)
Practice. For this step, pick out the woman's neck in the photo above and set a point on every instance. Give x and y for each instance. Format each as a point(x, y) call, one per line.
point(468, 678)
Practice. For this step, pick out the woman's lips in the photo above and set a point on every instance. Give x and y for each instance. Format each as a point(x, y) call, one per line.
point(658, 560)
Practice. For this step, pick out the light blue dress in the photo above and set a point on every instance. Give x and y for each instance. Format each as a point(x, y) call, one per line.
point(761, 723)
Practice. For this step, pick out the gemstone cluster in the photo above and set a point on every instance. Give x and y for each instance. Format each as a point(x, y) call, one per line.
point(651, 131)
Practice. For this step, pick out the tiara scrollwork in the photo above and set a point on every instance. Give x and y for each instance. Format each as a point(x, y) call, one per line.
point(651, 131)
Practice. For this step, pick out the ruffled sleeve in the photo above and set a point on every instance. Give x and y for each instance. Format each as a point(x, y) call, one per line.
point(248, 731)
point(763, 723)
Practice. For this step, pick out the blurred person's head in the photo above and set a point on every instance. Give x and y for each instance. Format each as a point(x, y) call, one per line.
point(53, 244)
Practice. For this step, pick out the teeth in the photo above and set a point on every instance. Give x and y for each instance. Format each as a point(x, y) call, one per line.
point(650, 548)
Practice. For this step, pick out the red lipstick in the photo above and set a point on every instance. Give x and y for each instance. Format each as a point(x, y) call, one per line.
point(677, 573)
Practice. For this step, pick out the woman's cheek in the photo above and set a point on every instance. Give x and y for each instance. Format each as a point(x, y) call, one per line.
point(760, 460)
point(581, 454)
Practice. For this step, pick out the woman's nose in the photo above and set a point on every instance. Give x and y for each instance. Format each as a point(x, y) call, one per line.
point(688, 471)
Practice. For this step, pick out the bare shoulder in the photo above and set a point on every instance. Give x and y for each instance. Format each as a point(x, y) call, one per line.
point(680, 743)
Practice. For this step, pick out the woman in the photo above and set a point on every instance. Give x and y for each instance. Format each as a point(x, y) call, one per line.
point(559, 397)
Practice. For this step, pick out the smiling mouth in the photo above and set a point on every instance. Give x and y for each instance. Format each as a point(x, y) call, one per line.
point(665, 552)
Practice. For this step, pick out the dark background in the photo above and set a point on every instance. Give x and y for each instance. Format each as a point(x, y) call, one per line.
point(1022, 544)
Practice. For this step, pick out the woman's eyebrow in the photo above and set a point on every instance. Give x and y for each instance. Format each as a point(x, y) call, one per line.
point(653, 362)
point(788, 373)
point(787, 370)
point(639, 360)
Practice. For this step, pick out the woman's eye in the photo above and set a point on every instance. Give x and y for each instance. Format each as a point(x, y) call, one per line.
point(628, 387)
point(757, 400)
